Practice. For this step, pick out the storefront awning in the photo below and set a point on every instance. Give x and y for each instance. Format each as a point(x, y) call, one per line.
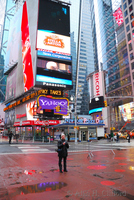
point(37, 123)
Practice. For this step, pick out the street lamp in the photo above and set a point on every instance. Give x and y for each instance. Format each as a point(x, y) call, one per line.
point(75, 115)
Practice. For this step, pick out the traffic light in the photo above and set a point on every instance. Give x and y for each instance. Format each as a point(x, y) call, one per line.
point(105, 103)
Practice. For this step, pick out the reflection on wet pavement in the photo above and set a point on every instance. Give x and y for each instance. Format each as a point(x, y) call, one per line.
point(37, 188)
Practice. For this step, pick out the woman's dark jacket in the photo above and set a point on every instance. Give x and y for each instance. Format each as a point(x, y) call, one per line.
point(62, 148)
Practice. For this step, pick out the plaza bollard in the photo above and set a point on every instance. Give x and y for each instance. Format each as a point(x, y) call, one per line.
point(23, 139)
point(42, 139)
point(49, 139)
point(0, 138)
point(12, 139)
point(33, 139)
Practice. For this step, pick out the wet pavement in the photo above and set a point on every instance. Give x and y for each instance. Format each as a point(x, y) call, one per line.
point(99, 175)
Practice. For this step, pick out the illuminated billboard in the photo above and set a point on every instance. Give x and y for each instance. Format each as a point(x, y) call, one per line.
point(98, 84)
point(53, 34)
point(55, 74)
point(127, 111)
point(118, 16)
point(52, 105)
point(26, 51)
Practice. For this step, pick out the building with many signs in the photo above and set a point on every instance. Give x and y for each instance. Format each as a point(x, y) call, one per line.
point(38, 67)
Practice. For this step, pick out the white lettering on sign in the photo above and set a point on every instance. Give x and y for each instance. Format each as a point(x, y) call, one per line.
point(97, 84)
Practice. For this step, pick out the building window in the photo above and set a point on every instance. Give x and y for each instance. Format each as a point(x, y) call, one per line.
point(129, 37)
point(127, 28)
point(131, 56)
point(125, 6)
point(130, 46)
point(133, 75)
point(132, 65)
point(125, 13)
point(129, 1)
point(126, 20)
point(132, 24)
point(130, 8)
point(132, 16)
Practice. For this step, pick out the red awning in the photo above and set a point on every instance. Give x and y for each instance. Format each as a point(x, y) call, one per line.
point(37, 123)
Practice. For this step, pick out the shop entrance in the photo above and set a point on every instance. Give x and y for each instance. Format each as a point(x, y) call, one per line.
point(83, 135)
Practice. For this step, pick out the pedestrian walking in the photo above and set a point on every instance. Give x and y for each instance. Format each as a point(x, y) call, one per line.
point(117, 137)
point(128, 137)
point(112, 135)
point(10, 136)
point(62, 152)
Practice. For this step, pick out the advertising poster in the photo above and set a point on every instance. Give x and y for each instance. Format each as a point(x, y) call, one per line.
point(26, 51)
point(11, 84)
point(13, 41)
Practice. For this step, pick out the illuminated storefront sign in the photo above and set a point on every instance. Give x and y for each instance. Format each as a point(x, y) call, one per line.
point(37, 123)
point(58, 105)
point(33, 95)
point(18, 116)
point(83, 121)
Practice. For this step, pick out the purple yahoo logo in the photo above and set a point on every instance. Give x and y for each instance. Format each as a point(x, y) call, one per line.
point(60, 106)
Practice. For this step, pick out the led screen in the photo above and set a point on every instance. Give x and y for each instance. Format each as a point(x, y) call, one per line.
point(127, 111)
point(53, 35)
point(51, 73)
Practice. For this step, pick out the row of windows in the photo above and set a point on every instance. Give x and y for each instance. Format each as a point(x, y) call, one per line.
point(119, 84)
point(125, 6)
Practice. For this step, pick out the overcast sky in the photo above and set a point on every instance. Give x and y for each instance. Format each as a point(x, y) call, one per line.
point(116, 4)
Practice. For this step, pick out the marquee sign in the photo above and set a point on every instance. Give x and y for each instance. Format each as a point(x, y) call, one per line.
point(58, 105)
point(33, 95)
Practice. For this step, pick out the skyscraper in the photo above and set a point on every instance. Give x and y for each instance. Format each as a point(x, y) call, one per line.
point(7, 10)
point(82, 52)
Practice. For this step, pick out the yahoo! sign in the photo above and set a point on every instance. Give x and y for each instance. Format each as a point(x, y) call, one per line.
point(59, 105)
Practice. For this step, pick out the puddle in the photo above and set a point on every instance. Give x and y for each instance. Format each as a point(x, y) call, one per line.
point(109, 176)
point(54, 170)
point(37, 188)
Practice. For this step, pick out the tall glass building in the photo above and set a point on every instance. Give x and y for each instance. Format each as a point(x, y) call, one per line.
point(7, 10)
point(82, 50)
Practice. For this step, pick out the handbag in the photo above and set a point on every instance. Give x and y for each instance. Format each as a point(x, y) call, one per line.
point(58, 150)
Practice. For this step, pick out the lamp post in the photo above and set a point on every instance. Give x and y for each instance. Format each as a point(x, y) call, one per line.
point(75, 115)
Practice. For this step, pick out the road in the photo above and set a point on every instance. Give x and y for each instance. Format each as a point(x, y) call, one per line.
point(20, 148)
